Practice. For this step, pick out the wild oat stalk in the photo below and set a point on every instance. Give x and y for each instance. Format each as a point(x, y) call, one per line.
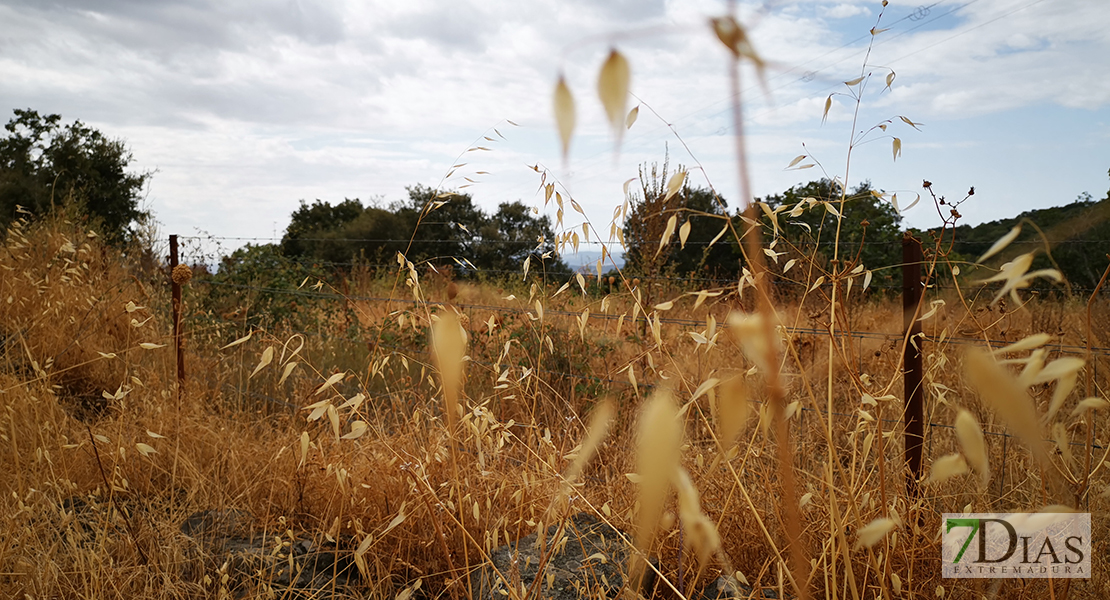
point(733, 35)
point(449, 349)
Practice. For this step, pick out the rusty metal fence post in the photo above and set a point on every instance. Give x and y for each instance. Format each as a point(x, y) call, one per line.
point(912, 374)
point(178, 338)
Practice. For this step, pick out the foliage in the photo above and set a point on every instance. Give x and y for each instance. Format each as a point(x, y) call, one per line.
point(870, 231)
point(317, 221)
point(1077, 233)
point(258, 285)
point(440, 228)
point(44, 164)
point(702, 208)
point(511, 235)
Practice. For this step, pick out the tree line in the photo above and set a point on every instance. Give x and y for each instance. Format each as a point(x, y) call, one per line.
point(45, 164)
point(442, 228)
point(1078, 235)
point(870, 233)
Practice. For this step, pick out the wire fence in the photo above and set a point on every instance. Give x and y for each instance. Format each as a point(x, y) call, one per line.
point(469, 308)
point(612, 265)
point(595, 289)
point(875, 335)
point(1003, 437)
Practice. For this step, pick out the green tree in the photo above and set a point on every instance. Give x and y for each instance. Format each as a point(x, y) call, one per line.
point(702, 208)
point(449, 224)
point(1078, 235)
point(258, 284)
point(426, 227)
point(44, 164)
point(513, 234)
point(310, 222)
point(870, 230)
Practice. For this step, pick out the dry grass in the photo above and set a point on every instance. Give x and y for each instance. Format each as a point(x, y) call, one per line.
point(87, 514)
point(732, 431)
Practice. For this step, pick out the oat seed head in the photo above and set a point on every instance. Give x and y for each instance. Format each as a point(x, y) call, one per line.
point(600, 419)
point(975, 448)
point(733, 410)
point(1011, 402)
point(701, 533)
point(449, 349)
point(946, 467)
point(657, 459)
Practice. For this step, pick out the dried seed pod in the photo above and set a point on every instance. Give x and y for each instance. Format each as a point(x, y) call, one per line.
point(181, 274)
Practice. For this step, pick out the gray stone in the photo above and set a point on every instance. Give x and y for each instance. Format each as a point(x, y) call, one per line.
point(727, 587)
point(298, 568)
point(588, 561)
point(216, 523)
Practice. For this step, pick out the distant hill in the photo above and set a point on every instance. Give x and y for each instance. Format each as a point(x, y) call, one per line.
point(586, 260)
point(1077, 233)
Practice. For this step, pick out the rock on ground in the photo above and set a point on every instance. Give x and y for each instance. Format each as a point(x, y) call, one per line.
point(589, 560)
point(299, 568)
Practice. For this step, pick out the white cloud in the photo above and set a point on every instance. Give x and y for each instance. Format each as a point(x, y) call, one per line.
point(1007, 54)
point(843, 11)
point(247, 107)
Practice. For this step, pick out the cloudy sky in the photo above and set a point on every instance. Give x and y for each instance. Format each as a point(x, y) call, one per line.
point(245, 107)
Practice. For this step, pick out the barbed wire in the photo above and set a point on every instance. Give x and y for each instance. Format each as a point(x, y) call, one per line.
point(405, 351)
point(588, 269)
point(719, 282)
point(583, 242)
point(885, 336)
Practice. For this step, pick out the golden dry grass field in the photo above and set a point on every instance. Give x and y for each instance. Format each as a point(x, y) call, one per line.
point(444, 427)
point(408, 425)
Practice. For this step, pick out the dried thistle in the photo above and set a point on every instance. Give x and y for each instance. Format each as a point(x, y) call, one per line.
point(181, 274)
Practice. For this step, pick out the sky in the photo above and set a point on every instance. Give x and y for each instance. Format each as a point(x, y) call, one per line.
point(244, 108)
